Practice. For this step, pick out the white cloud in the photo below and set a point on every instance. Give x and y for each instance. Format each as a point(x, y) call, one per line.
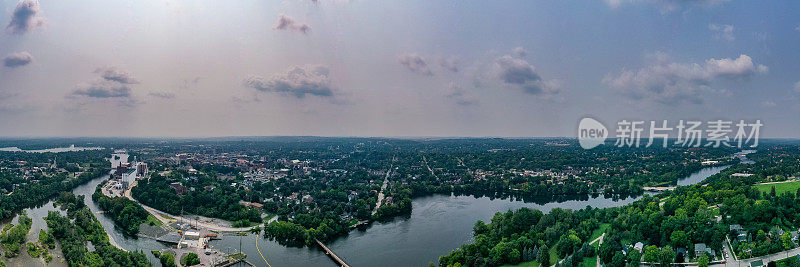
point(297, 81)
point(722, 32)
point(768, 104)
point(797, 87)
point(666, 6)
point(519, 52)
point(669, 82)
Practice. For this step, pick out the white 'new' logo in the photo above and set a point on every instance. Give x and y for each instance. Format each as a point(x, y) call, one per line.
point(591, 133)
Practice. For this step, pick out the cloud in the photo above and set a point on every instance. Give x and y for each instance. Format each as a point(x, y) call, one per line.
point(741, 67)
point(455, 92)
point(188, 83)
point(797, 87)
point(104, 89)
point(297, 81)
point(722, 32)
point(20, 59)
point(115, 75)
point(768, 104)
point(797, 28)
point(519, 73)
point(26, 17)
point(112, 83)
point(162, 94)
point(519, 52)
point(672, 83)
point(666, 6)
point(450, 63)
point(289, 24)
point(415, 63)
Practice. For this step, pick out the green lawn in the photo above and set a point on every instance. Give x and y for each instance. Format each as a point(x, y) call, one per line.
point(152, 219)
point(589, 262)
point(600, 230)
point(780, 188)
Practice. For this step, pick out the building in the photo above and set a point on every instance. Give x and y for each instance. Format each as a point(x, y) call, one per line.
point(192, 235)
point(141, 169)
point(252, 205)
point(758, 263)
point(701, 248)
point(178, 187)
point(639, 246)
point(741, 234)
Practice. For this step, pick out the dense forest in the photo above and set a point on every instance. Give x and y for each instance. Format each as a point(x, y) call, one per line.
point(126, 213)
point(219, 202)
point(40, 188)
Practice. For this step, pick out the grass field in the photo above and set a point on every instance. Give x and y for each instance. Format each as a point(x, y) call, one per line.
point(589, 262)
point(600, 230)
point(780, 188)
point(152, 219)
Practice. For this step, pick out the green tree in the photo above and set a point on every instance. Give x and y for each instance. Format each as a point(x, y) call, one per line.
point(667, 256)
point(787, 241)
point(618, 260)
point(544, 256)
point(703, 260)
point(634, 256)
point(191, 260)
point(167, 260)
point(679, 239)
point(651, 254)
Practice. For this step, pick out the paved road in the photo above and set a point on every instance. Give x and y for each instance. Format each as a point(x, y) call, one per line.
point(383, 188)
point(730, 261)
point(429, 168)
point(600, 240)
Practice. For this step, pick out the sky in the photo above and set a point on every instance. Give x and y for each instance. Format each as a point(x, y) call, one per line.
point(392, 68)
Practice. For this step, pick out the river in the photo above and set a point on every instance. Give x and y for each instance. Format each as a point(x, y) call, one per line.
point(437, 225)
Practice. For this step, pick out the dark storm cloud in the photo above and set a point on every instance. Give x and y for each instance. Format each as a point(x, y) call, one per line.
point(298, 82)
point(289, 24)
point(415, 63)
point(14, 60)
point(115, 75)
point(26, 16)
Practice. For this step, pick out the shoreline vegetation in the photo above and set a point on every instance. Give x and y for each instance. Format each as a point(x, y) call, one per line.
point(80, 227)
point(728, 205)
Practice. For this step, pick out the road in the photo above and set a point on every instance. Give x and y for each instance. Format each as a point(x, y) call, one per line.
point(429, 167)
point(730, 260)
point(383, 188)
point(165, 217)
point(600, 240)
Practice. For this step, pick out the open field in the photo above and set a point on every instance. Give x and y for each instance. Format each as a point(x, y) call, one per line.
point(780, 188)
